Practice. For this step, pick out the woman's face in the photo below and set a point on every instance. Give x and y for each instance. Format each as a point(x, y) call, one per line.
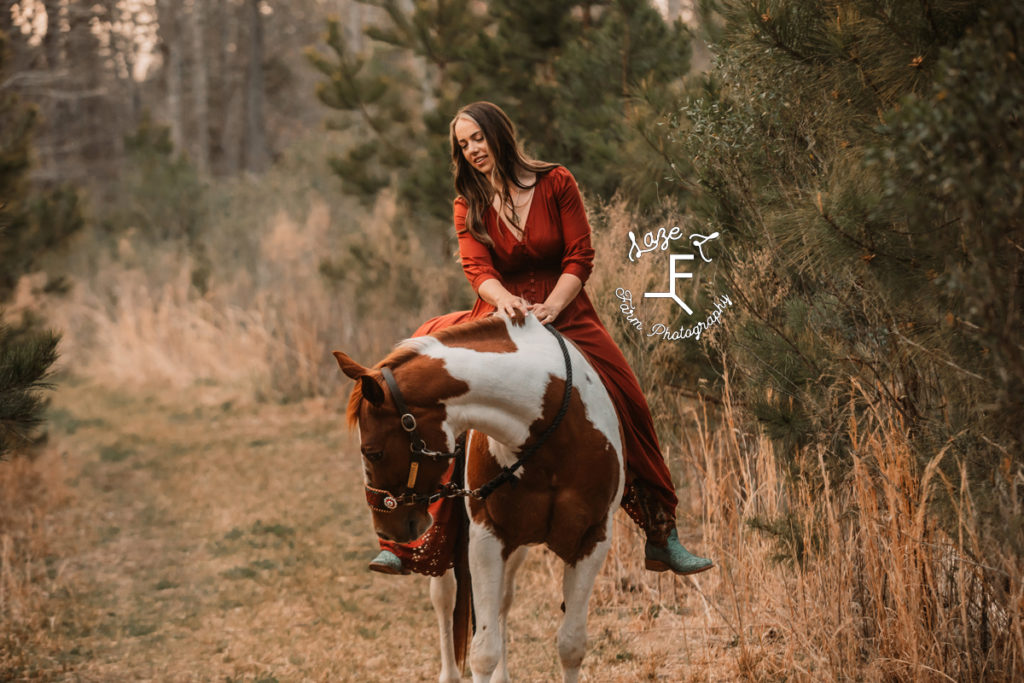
point(473, 144)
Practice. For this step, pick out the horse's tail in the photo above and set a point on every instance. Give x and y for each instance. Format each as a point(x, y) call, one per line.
point(462, 617)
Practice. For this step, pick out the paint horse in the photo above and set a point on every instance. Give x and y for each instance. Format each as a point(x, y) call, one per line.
point(543, 465)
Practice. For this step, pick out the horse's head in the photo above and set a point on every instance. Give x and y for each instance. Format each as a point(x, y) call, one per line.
point(399, 477)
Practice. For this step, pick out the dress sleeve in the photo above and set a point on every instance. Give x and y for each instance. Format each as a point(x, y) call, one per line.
point(578, 255)
point(477, 263)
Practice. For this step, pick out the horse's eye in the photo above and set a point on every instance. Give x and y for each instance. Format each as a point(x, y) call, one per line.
point(372, 456)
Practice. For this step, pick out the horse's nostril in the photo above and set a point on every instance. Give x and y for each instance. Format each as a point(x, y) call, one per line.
point(384, 537)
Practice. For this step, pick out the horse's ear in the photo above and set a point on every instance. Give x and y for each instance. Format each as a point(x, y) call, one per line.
point(371, 388)
point(351, 368)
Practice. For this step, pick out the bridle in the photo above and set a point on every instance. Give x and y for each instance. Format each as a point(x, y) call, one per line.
point(382, 500)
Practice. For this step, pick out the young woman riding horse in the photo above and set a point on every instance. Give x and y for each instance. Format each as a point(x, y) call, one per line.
point(524, 241)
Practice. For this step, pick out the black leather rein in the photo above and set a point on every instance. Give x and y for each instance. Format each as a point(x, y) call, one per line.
point(385, 501)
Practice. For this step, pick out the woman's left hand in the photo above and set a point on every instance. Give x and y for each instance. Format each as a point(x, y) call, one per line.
point(545, 312)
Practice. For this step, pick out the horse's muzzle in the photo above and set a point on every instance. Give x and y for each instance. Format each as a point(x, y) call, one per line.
point(401, 528)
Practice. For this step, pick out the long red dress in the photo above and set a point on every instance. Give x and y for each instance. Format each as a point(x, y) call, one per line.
point(556, 240)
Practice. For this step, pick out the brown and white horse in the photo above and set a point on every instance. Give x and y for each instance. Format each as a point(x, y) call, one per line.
point(507, 383)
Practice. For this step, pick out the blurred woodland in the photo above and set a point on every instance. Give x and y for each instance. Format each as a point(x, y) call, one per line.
point(219, 193)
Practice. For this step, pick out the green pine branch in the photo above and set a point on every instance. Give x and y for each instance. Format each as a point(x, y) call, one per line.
point(25, 361)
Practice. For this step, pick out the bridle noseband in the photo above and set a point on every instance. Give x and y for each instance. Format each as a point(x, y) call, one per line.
point(381, 500)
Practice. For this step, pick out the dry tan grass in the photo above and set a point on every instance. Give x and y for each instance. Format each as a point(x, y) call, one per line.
point(30, 567)
point(134, 316)
point(266, 320)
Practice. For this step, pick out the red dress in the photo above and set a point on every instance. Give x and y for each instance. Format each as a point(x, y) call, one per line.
point(556, 240)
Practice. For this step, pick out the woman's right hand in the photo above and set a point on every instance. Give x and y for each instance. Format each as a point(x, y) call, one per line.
point(494, 293)
point(515, 307)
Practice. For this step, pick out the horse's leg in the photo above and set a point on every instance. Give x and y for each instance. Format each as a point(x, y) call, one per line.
point(442, 595)
point(577, 583)
point(508, 589)
point(487, 569)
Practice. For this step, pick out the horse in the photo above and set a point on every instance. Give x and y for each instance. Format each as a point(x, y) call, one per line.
point(543, 466)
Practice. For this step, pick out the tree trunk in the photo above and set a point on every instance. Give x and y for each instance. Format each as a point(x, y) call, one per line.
point(78, 121)
point(700, 60)
point(6, 20)
point(53, 38)
point(231, 139)
point(124, 51)
point(256, 155)
point(226, 96)
point(200, 91)
point(171, 49)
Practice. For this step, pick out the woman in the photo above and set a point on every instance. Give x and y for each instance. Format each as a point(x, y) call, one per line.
point(524, 240)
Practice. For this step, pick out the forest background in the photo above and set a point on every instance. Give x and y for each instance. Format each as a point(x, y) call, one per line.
point(200, 200)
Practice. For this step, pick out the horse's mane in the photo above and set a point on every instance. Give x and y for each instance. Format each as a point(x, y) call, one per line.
point(468, 330)
point(407, 349)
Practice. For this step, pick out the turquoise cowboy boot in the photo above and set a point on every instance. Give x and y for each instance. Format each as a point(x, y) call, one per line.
point(387, 562)
point(673, 556)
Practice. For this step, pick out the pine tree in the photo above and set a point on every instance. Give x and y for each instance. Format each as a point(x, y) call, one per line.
point(629, 51)
point(862, 161)
point(29, 224)
point(390, 98)
point(25, 358)
point(16, 122)
point(564, 71)
point(31, 221)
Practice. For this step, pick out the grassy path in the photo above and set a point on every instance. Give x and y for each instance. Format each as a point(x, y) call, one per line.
point(209, 540)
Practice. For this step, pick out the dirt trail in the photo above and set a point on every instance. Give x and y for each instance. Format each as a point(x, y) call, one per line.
point(204, 539)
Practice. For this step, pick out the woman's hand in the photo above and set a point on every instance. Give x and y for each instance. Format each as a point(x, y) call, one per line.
point(545, 312)
point(494, 293)
point(515, 307)
point(565, 290)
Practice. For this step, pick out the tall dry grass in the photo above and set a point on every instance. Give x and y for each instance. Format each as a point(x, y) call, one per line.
point(30, 571)
point(245, 305)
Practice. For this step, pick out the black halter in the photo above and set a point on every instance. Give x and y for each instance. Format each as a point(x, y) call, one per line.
point(385, 501)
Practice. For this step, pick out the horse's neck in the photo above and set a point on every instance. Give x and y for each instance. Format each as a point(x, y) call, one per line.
point(498, 405)
point(506, 389)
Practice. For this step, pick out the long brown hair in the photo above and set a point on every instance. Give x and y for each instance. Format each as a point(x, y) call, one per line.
point(509, 160)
